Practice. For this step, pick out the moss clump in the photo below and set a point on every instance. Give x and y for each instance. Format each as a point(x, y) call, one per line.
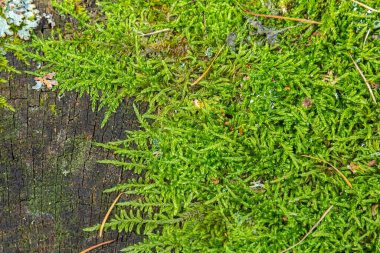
point(223, 161)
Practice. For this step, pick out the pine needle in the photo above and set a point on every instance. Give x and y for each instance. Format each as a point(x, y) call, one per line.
point(108, 214)
point(282, 17)
point(332, 166)
point(153, 33)
point(365, 80)
point(310, 231)
point(365, 6)
point(96, 246)
point(208, 69)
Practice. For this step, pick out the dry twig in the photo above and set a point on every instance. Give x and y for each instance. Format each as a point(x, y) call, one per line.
point(365, 6)
point(96, 246)
point(282, 17)
point(208, 68)
point(153, 33)
point(108, 214)
point(332, 166)
point(310, 231)
point(365, 80)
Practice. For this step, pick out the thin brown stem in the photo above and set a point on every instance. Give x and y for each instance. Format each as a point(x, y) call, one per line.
point(310, 231)
point(96, 246)
point(153, 33)
point(208, 69)
point(332, 166)
point(365, 80)
point(365, 6)
point(108, 214)
point(282, 17)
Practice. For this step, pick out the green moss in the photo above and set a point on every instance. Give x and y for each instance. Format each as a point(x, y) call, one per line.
point(72, 161)
point(53, 110)
point(50, 200)
point(4, 104)
point(223, 160)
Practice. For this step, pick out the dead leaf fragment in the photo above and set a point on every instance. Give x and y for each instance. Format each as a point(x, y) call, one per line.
point(50, 83)
point(354, 168)
point(47, 80)
point(375, 86)
point(307, 103)
point(374, 209)
point(223, 113)
point(50, 75)
point(197, 103)
point(371, 163)
point(215, 180)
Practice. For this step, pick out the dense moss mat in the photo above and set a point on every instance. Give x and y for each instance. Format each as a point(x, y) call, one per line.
point(223, 161)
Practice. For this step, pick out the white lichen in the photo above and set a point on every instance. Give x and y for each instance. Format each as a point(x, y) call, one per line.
point(49, 19)
point(20, 16)
point(38, 85)
point(4, 28)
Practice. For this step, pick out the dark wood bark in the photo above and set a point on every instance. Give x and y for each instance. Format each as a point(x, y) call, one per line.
point(50, 184)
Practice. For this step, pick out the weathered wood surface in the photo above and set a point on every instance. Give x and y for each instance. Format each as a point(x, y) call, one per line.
point(50, 184)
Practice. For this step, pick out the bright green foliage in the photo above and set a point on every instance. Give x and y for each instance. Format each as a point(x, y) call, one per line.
point(3, 68)
point(4, 104)
point(220, 163)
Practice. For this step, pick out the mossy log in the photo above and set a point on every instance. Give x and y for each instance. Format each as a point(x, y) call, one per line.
point(50, 183)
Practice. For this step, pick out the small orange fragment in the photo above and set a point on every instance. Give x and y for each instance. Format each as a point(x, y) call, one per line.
point(50, 75)
point(287, 88)
point(223, 112)
point(353, 167)
point(307, 102)
point(374, 209)
point(215, 180)
point(371, 163)
point(197, 103)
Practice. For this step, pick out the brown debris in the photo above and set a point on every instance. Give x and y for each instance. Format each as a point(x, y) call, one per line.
point(215, 180)
point(198, 104)
point(371, 163)
point(307, 103)
point(375, 86)
point(47, 80)
point(374, 209)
